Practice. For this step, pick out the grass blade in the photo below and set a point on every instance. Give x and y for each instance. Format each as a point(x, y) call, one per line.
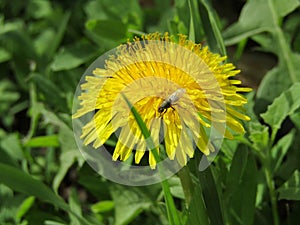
point(210, 196)
point(171, 209)
point(210, 26)
point(192, 34)
point(197, 209)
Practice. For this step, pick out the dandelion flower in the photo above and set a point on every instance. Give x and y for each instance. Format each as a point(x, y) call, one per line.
point(179, 88)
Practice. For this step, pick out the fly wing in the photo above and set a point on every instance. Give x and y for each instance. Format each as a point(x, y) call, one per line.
point(174, 97)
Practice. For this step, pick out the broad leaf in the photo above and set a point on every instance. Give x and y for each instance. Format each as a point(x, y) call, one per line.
point(129, 202)
point(277, 80)
point(260, 20)
point(210, 196)
point(23, 182)
point(272, 85)
point(4, 55)
point(295, 117)
point(11, 144)
point(258, 16)
point(74, 55)
point(290, 190)
point(259, 135)
point(49, 89)
point(241, 188)
point(176, 188)
point(279, 151)
point(197, 212)
point(282, 107)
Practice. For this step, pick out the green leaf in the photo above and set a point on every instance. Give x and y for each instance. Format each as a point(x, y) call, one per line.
point(197, 213)
point(4, 55)
point(11, 144)
point(283, 8)
point(43, 141)
point(75, 207)
point(260, 16)
point(103, 206)
point(110, 29)
point(49, 89)
point(94, 10)
point(229, 147)
point(290, 190)
point(272, 85)
point(66, 161)
point(107, 26)
point(39, 9)
point(93, 183)
point(192, 35)
point(44, 40)
point(176, 188)
point(59, 34)
point(7, 159)
point(178, 20)
point(51, 222)
point(34, 110)
point(8, 96)
point(129, 203)
point(290, 163)
point(211, 27)
point(10, 203)
point(295, 117)
point(282, 107)
point(70, 152)
point(279, 151)
point(15, 38)
point(125, 11)
point(241, 188)
point(24, 207)
point(210, 196)
point(73, 56)
point(23, 182)
point(259, 135)
point(195, 34)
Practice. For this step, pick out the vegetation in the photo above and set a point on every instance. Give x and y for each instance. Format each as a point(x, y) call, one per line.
point(45, 47)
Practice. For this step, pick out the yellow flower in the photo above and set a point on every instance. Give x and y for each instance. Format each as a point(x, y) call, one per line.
point(180, 89)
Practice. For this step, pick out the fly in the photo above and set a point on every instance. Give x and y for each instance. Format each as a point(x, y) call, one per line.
point(171, 100)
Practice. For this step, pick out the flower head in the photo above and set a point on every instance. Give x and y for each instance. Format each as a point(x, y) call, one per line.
point(179, 88)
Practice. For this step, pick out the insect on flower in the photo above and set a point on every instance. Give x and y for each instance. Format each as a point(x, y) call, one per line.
point(137, 67)
point(171, 100)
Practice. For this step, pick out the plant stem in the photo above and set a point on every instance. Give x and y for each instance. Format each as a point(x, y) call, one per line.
point(286, 53)
point(272, 194)
point(171, 209)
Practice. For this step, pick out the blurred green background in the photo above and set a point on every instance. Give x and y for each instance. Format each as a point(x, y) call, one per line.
point(45, 47)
